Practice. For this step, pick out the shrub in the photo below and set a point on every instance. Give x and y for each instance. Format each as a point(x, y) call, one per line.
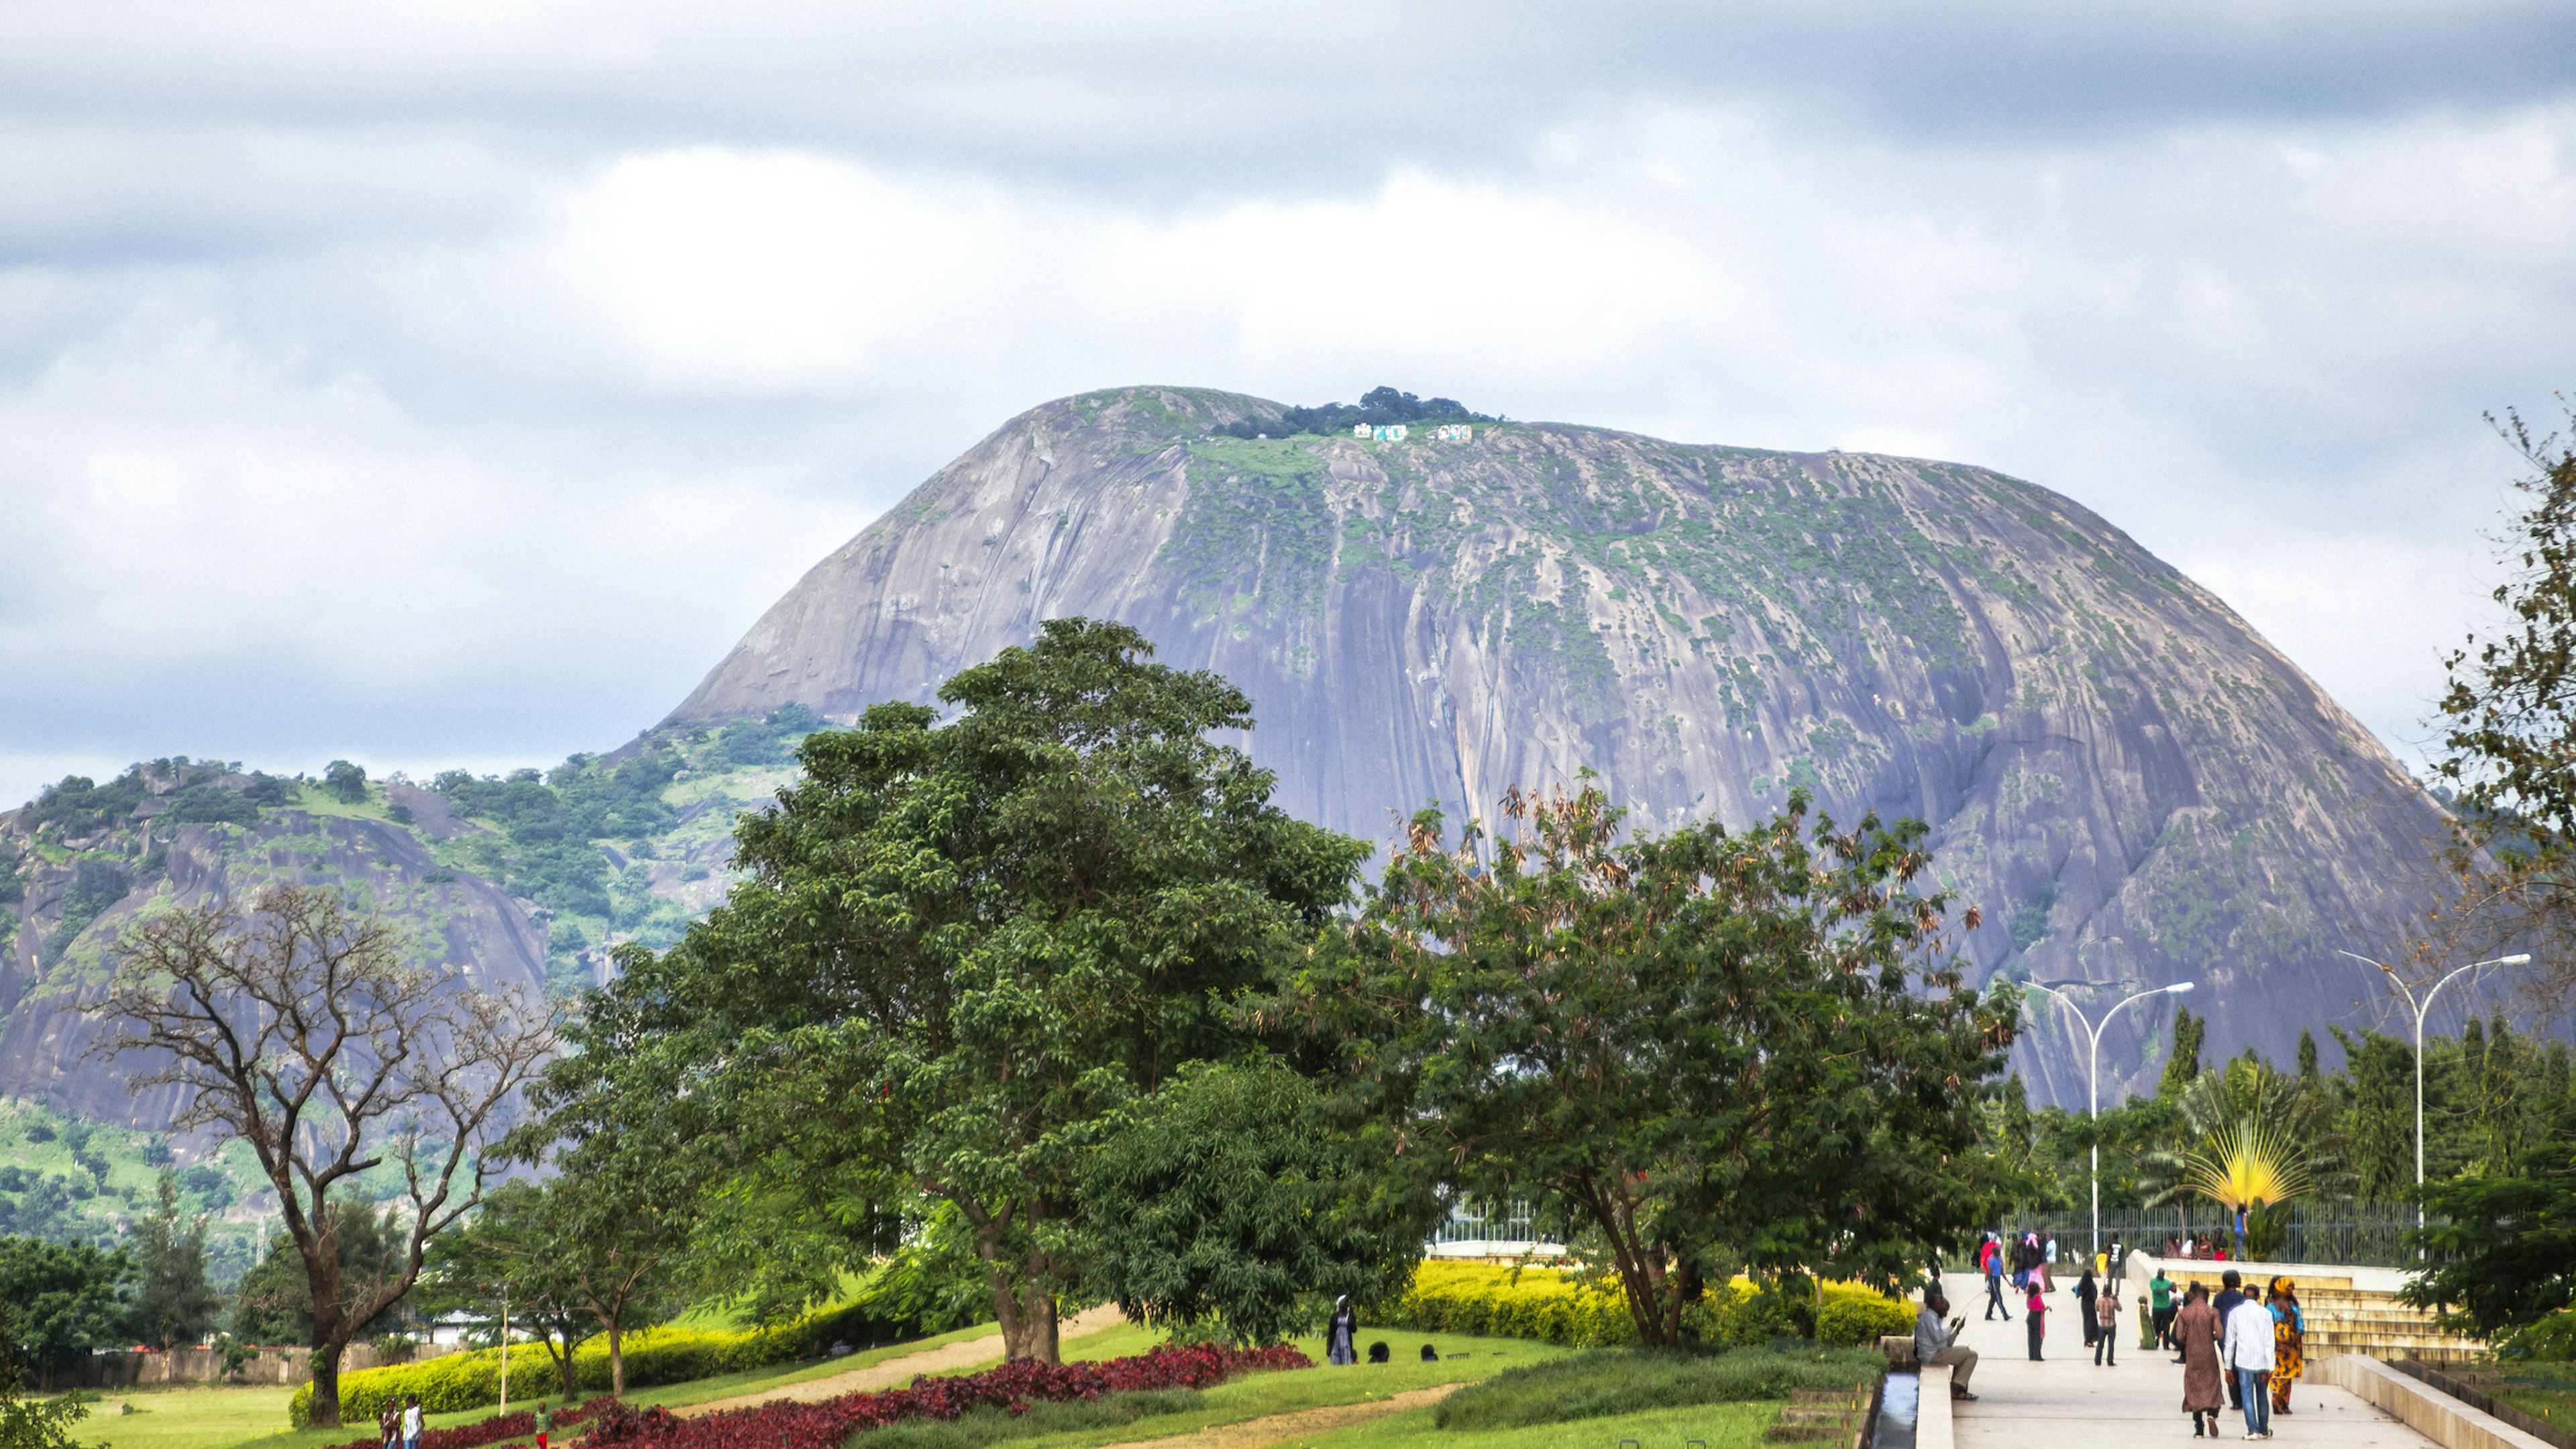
point(991, 1425)
point(492, 1430)
point(784, 1424)
point(460, 1381)
point(1855, 1316)
point(1630, 1380)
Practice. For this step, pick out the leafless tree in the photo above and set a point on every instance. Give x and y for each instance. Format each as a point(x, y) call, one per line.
point(301, 1029)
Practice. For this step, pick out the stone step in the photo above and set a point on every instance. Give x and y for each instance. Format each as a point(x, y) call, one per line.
point(1820, 1414)
point(1844, 1397)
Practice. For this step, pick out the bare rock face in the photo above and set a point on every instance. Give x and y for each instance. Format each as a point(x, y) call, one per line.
point(2130, 783)
point(134, 859)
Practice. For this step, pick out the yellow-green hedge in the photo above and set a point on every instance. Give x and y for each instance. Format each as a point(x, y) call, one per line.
point(653, 1356)
point(1542, 1303)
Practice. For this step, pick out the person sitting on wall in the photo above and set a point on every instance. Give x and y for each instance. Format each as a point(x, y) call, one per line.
point(1936, 1344)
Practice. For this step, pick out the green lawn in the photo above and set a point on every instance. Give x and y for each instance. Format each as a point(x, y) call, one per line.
point(248, 1417)
point(1721, 1426)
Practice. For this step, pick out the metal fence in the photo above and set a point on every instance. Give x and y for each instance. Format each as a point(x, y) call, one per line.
point(2364, 1235)
point(1486, 1223)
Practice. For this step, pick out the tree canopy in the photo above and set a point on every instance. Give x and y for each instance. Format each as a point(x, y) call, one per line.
point(960, 948)
point(1705, 1049)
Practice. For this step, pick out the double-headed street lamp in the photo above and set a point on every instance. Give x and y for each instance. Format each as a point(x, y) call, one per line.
point(2092, 1079)
point(2421, 1008)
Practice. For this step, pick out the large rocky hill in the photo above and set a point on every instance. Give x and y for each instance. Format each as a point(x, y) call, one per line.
point(2132, 784)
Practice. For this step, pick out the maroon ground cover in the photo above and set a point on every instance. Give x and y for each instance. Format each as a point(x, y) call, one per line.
point(493, 1430)
point(784, 1424)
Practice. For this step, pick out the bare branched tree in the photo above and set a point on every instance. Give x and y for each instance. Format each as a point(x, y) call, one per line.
point(301, 1030)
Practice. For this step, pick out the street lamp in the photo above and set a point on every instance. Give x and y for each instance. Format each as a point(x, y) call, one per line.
point(2093, 1083)
point(2421, 1008)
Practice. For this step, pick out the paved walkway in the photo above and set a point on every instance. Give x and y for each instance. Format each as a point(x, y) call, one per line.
point(2066, 1400)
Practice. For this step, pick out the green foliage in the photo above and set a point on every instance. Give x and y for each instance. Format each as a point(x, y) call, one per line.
point(959, 950)
point(1230, 1199)
point(2182, 1067)
point(1038, 1419)
point(1379, 405)
point(472, 1380)
point(174, 1306)
point(551, 822)
point(27, 1423)
point(770, 740)
point(58, 1301)
point(1611, 1381)
point(2501, 1251)
point(80, 806)
point(1500, 1302)
point(2030, 923)
point(1705, 1049)
point(1854, 1320)
point(344, 782)
point(210, 805)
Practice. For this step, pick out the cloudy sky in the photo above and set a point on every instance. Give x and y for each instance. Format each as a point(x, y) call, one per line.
point(452, 385)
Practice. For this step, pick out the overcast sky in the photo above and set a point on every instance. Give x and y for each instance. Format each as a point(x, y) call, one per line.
point(454, 384)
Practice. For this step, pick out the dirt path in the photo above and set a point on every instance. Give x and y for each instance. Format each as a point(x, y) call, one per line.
point(1254, 1433)
point(894, 1373)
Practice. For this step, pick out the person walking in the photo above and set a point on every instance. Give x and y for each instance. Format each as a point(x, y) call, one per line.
point(2035, 1312)
point(2086, 1291)
point(2195, 1331)
point(2119, 1262)
point(2106, 1325)
point(2230, 1294)
point(1936, 1343)
point(389, 1423)
point(1994, 1266)
point(2289, 1342)
point(1340, 1330)
point(411, 1423)
point(2160, 1302)
point(2249, 1355)
point(2048, 1262)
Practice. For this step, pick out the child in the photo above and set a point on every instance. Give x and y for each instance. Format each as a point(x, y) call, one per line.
point(545, 1421)
point(2037, 1309)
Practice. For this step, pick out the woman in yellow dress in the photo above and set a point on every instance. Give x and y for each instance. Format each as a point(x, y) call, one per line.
point(2289, 1330)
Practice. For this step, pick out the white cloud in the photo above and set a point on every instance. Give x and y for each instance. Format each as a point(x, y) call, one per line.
point(386, 412)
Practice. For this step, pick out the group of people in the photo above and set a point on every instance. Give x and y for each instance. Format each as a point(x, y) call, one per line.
point(2192, 1246)
point(2026, 1264)
point(2251, 1347)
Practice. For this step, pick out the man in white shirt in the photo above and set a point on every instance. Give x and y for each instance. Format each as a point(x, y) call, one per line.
point(411, 1423)
point(2248, 1352)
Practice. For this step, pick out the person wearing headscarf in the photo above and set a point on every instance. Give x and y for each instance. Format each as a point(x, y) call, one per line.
point(2289, 1342)
point(1339, 1330)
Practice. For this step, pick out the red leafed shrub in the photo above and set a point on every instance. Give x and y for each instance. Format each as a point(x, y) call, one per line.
point(495, 1429)
point(785, 1424)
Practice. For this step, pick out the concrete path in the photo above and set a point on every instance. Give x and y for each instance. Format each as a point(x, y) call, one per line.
point(2066, 1400)
point(895, 1373)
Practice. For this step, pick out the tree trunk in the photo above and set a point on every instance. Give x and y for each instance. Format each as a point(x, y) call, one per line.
point(616, 1360)
point(1037, 1316)
point(326, 1386)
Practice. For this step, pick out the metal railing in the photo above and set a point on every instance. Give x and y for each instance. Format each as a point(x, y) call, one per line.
point(2363, 1234)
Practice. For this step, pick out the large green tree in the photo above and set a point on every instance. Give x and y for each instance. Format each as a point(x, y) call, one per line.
point(25, 1422)
point(1231, 1198)
point(2501, 1251)
point(174, 1304)
point(507, 1257)
point(1706, 1049)
point(960, 947)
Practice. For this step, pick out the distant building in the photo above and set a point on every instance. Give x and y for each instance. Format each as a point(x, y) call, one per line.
point(1381, 432)
point(1453, 433)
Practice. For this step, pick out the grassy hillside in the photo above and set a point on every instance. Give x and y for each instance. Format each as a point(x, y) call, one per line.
point(72, 1181)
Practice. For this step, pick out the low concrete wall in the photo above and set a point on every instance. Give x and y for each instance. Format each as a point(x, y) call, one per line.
point(2142, 1266)
point(2428, 1411)
point(205, 1366)
point(1932, 1428)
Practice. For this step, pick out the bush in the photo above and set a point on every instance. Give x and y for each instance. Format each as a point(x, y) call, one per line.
point(1543, 1303)
point(1629, 1380)
point(1853, 1317)
point(459, 1381)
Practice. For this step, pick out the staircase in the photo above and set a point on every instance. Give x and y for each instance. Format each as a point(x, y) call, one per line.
point(2345, 1319)
point(1821, 1416)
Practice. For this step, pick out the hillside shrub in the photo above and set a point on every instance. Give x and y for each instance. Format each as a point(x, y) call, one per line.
point(518, 1423)
point(459, 1381)
point(785, 1424)
point(1630, 1380)
point(1543, 1303)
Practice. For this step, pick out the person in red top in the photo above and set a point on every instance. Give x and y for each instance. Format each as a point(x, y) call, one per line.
point(2037, 1310)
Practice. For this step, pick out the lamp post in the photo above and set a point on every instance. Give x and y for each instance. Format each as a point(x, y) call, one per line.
point(2421, 1008)
point(2093, 1083)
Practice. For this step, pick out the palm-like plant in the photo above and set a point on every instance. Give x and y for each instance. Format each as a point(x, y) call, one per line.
point(2251, 1139)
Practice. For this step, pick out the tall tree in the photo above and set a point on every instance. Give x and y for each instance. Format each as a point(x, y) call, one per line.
point(2375, 1114)
point(1704, 1049)
point(27, 1423)
point(174, 1305)
point(2182, 1068)
point(301, 1030)
point(960, 948)
point(273, 1302)
point(506, 1255)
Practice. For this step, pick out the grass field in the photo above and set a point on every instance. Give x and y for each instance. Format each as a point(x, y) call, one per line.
point(251, 1417)
point(1720, 1426)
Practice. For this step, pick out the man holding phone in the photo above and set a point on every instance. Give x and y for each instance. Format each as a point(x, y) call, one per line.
point(1936, 1344)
